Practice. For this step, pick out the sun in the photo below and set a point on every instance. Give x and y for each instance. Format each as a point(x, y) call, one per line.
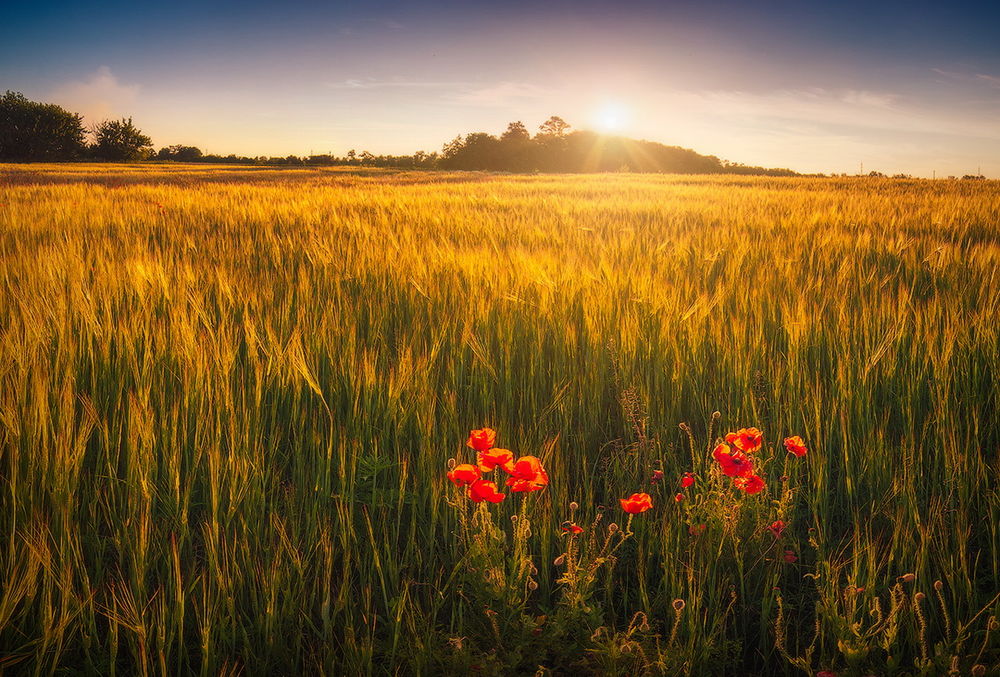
point(611, 116)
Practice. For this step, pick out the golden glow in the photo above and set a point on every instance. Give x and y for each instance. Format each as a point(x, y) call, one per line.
point(612, 117)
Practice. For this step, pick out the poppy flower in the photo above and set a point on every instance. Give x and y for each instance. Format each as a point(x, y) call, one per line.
point(796, 446)
point(529, 469)
point(572, 528)
point(734, 462)
point(777, 528)
point(636, 503)
point(790, 557)
point(687, 480)
point(482, 439)
point(696, 530)
point(752, 484)
point(826, 673)
point(747, 440)
point(657, 476)
point(482, 490)
point(523, 485)
point(491, 458)
point(464, 473)
point(679, 497)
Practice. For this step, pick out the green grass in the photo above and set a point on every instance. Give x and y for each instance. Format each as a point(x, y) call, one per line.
point(228, 398)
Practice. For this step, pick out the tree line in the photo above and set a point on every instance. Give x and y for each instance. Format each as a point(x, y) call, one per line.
point(31, 132)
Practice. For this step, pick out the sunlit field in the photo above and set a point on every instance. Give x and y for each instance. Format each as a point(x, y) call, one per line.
point(230, 399)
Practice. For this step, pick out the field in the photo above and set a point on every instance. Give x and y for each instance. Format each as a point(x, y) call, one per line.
point(229, 397)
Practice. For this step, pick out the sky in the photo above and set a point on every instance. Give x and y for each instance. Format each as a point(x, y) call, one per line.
point(911, 87)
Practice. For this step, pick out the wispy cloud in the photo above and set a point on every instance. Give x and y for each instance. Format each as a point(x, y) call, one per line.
point(372, 83)
point(98, 96)
point(840, 109)
point(502, 94)
point(991, 81)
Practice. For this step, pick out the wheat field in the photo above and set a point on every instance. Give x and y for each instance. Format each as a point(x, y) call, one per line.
point(229, 397)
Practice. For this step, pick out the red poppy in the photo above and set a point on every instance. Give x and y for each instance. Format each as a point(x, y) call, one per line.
point(796, 446)
point(687, 480)
point(790, 556)
point(523, 485)
point(696, 530)
point(636, 503)
point(481, 440)
point(657, 476)
point(734, 462)
point(491, 458)
point(826, 673)
point(529, 469)
point(679, 497)
point(747, 440)
point(573, 528)
point(464, 473)
point(481, 490)
point(752, 484)
point(777, 528)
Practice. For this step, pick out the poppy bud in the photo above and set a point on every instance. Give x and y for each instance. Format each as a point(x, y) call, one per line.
point(679, 605)
point(919, 597)
point(452, 463)
point(978, 670)
point(558, 561)
point(573, 506)
point(938, 585)
point(907, 578)
point(612, 527)
point(532, 585)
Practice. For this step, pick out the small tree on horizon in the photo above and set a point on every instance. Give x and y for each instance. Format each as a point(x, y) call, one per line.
point(120, 141)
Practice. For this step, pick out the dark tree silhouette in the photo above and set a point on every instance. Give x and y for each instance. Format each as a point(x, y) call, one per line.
point(180, 153)
point(120, 141)
point(38, 131)
point(554, 126)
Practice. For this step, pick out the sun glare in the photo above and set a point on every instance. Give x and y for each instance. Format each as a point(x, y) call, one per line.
point(612, 116)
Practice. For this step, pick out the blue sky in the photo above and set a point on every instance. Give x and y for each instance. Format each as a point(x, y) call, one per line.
point(903, 87)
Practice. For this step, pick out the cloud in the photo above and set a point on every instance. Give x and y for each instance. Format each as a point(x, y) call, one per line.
point(832, 109)
point(372, 83)
point(502, 94)
point(991, 81)
point(98, 97)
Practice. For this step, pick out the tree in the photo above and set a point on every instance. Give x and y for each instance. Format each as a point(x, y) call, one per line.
point(180, 153)
point(554, 126)
point(516, 132)
point(38, 131)
point(120, 141)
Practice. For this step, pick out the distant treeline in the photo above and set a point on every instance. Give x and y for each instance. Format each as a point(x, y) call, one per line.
point(553, 149)
point(42, 132)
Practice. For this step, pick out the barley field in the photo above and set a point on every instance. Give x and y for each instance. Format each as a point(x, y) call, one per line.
point(230, 399)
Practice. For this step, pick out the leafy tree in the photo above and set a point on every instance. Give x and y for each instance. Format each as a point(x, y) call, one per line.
point(554, 126)
point(38, 131)
point(180, 153)
point(120, 141)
